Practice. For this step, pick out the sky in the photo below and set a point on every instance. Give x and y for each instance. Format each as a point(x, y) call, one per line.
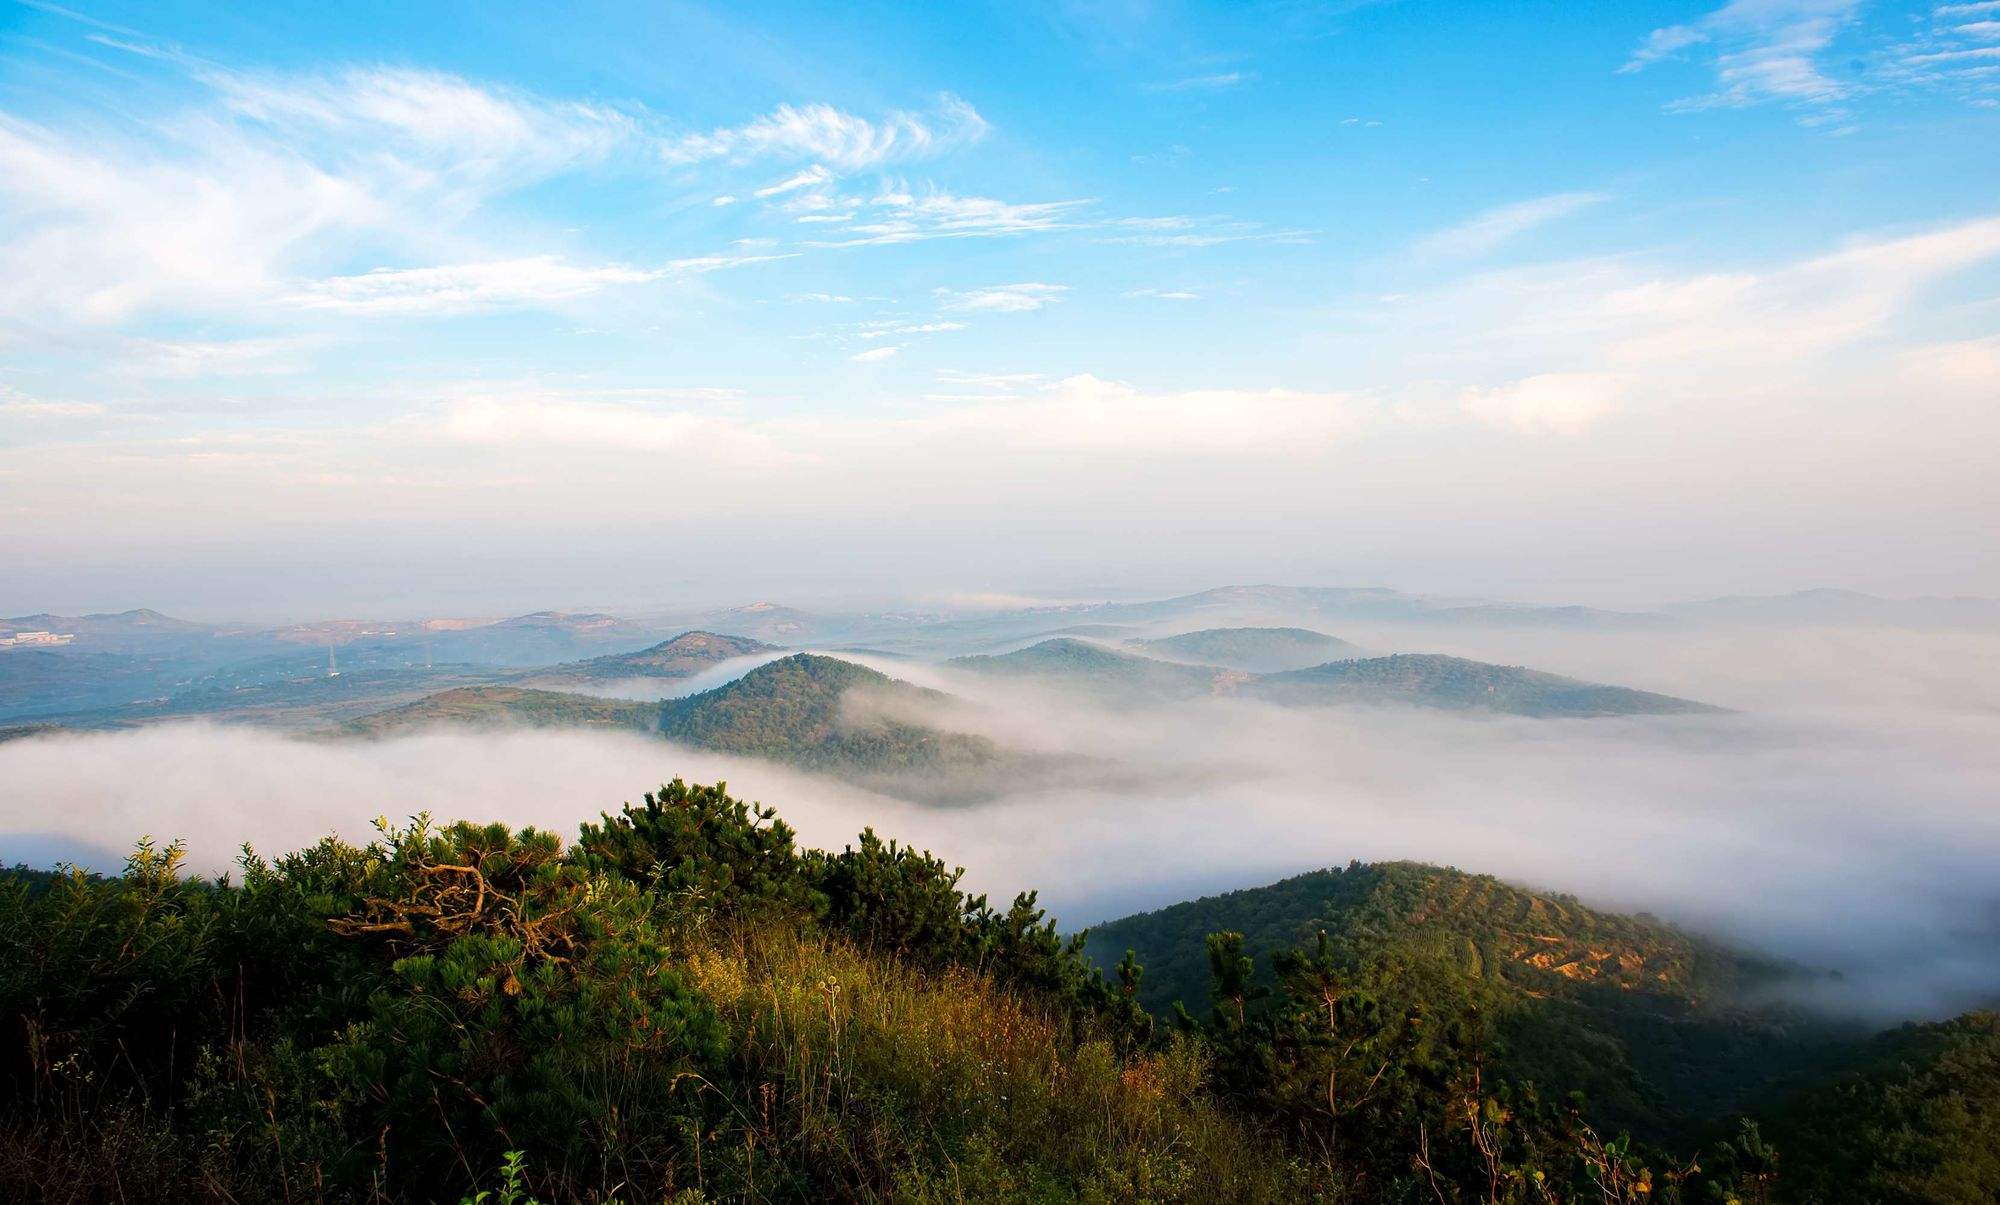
point(383, 309)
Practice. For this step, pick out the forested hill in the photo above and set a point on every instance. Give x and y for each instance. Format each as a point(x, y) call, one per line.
point(505, 707)
point(1456, 684)
point(1253, 650)
point(1643, 1017)
point(1429, 680)
point(1481, 926)
point(1094, 670)
point(684, 656)
point(825, 714)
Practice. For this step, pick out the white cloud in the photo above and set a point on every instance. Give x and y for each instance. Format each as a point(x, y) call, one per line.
point(1489, 230)
point(827, 135)
point(1182, 230)
point(1556, 403)
point(874, 355)
point(815, 176)
point(1088, 413)
point(1004, 299)
point(722, 201)
point(531, 422)
point(17, 405)
point(1164, 294)
point(1741, 324)
point(1761, 50)
point(900, 216)
point(1663, 43)
point(886, 330)
point(471, 288)
point(1203, 83)
point(462, 288)
point(467, 134)
point(187, 358)
point(216, 207)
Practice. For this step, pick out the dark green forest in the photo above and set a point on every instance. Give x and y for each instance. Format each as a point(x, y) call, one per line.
point(682, 1004)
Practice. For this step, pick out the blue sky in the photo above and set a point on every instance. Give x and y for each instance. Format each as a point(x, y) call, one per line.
point(393, 306)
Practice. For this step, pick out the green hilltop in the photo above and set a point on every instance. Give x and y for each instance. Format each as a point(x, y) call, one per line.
point(684, 656)
point(825, 714)
point(1253, 650)
point(1098, 671)
point(505, 706)
point(1648, 1020)
point(1457, 684)
point(1409, 679)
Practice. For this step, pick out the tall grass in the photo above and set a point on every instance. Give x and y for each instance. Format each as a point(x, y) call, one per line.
point(896, 1083)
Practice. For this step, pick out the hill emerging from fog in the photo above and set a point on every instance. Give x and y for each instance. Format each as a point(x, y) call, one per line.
point(832, 716)
point(1457, 684)
point(505, 707)
point(1408, 679)
point(1253, 650)
point(1642, 1016)
point(684, 656)
point(1079, 665)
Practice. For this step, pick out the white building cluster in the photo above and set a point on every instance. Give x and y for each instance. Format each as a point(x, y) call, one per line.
point(36, 638)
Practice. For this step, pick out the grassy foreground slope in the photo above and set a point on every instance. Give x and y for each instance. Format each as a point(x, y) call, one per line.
point(682, 1005)
point(679, 1006)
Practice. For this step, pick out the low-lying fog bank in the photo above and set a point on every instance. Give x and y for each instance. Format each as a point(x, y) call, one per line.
point(1849, 818)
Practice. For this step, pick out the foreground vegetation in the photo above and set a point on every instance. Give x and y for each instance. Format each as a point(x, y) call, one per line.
point(681, 1005)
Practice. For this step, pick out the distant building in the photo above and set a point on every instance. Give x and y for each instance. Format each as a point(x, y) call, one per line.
point(36, 638)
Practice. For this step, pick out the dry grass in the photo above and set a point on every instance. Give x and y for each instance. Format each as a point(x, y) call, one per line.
point(902, 1084)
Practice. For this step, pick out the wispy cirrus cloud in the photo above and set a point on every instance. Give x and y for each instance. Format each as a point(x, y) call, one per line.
point(1759, 50)
point(1004, 299)
point(1488, 231)
point(827, 135)
point(1204, 83)
point(900, 215)
point(473, 287)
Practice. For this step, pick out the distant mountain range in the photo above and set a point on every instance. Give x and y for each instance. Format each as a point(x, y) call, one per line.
point(1842, 608)
point(172, 666)
point(1415, 680)
point(1456, 684)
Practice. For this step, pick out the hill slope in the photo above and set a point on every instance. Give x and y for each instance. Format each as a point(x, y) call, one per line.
point(684, 656)
point(1092, 669)
point(1454, 683)
point(505, 706)
point(1253, 650)
point(1637, 1014)
point(824, 714)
